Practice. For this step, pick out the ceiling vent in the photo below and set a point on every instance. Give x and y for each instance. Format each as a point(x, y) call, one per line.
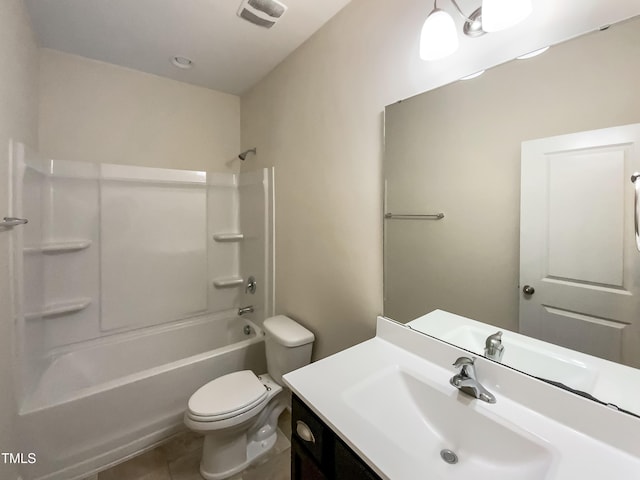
point(264, 13)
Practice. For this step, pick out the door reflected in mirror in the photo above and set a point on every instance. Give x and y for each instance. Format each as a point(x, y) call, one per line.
point(559, 265)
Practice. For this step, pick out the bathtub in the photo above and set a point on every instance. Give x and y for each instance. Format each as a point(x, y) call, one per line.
point(109, 399)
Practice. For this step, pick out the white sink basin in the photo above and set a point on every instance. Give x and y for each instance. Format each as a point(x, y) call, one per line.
point(426, 419)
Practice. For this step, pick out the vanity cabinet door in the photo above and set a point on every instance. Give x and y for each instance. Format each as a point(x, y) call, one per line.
point(303, 467)
point(309, 430)
point(348, 465)
point(317, 453)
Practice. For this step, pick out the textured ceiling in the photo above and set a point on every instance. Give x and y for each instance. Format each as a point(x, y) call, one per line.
point(229, 54)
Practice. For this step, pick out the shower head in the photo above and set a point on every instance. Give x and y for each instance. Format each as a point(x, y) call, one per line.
point(243, 155)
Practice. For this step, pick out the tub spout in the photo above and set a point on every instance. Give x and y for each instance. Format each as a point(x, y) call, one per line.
point(243, 310)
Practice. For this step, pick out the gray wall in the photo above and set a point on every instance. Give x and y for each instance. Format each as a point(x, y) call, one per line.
point(138, 118)
point(318, 118)
point(18, 120)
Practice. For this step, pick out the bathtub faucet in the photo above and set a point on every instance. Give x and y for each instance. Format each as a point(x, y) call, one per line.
point(243, 310)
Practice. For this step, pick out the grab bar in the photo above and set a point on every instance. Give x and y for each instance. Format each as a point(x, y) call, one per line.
point(636, 185)
point(13, 221)
point(408, 216)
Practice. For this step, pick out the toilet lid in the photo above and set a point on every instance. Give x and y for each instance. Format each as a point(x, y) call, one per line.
point(228, 395)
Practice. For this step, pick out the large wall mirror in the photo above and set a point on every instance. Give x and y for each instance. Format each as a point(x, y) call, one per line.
point(457, 150)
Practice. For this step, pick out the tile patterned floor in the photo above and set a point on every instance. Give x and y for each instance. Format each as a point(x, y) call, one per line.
point(179, 459)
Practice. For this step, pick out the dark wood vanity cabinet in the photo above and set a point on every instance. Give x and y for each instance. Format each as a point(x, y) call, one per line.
point(317, 453)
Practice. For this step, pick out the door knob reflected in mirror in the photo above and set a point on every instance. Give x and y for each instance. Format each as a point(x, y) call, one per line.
point(528, 290)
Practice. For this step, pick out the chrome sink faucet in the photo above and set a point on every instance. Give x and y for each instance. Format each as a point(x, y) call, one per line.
point(493, 347)
point(467, 382)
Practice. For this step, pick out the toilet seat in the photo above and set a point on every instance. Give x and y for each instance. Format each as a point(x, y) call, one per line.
point(227, 396)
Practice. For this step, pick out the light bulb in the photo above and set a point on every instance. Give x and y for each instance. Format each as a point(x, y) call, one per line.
point(500, 14)
point(438, 38)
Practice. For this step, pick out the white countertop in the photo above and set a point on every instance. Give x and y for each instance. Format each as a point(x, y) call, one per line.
point(583, 440)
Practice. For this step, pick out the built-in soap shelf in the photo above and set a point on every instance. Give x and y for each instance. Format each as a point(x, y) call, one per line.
point(228, 237)
point(62, 308)
point(59, 247)
point(228, 282)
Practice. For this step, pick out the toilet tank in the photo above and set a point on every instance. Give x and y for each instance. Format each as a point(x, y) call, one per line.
point(288, 345)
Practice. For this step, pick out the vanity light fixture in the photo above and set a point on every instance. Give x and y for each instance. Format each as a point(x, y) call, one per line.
point(535, 53)
point(439, 38)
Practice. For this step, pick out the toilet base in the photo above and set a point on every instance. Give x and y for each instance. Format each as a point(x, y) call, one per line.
point(255, 451)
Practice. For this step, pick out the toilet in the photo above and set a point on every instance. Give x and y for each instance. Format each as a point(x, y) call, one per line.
point(238, 412)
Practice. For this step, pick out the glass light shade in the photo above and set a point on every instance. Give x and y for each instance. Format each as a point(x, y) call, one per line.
point(438, 38)
point(500, 14)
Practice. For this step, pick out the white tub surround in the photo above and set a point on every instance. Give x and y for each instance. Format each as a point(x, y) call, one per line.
point(123, 302)
point(100, 404)
point(395, 407)
point(76, 372)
